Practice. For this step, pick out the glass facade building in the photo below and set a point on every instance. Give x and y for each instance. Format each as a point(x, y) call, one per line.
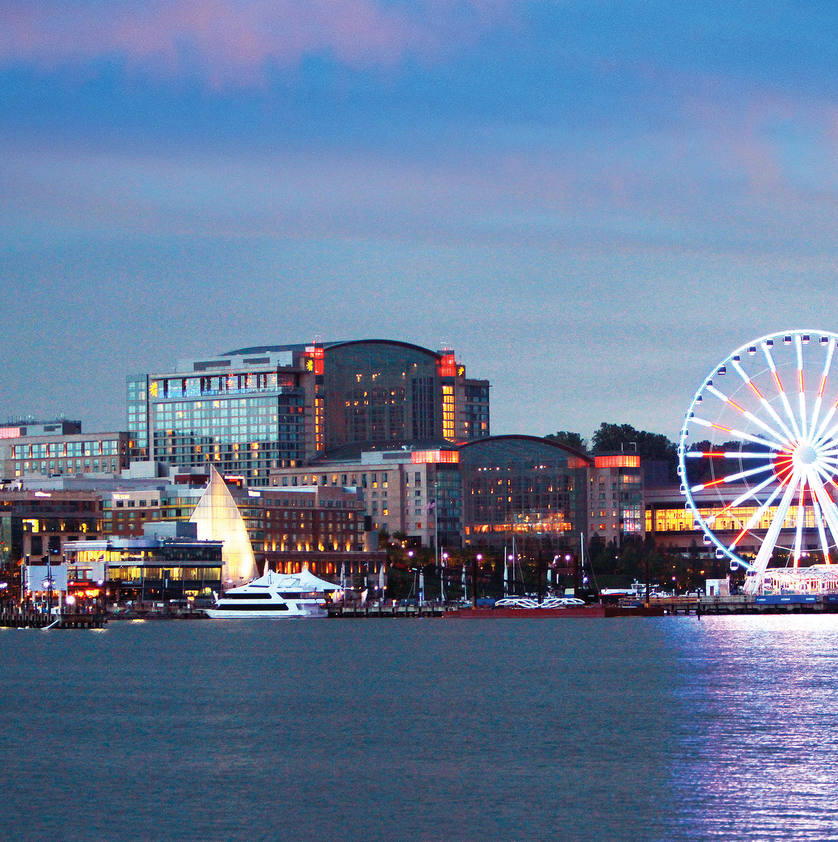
point(254, 410)
point(524, 486)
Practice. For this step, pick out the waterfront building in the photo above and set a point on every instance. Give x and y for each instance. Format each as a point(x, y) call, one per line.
point(168, 562)
point(14, 429)
point(673, 525)
point(58, 452)
point(531, 488)
point(321, 527)
point(254, 410)
point(413, 492)
point(40, 525)
point(615, 497)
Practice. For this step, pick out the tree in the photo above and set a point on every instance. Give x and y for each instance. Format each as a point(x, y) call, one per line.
point(610, 437)
point(570, 439)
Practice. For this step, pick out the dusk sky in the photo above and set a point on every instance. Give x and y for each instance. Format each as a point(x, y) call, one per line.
point(592, 202)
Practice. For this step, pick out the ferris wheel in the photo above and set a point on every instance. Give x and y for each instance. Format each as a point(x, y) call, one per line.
point(758, 453)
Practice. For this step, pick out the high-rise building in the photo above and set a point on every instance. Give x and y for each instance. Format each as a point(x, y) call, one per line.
point(253, 410)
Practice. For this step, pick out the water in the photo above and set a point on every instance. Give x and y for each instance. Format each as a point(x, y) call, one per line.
point(639, 728)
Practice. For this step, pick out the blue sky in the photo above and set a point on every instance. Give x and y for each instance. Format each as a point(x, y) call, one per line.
point(592, 202)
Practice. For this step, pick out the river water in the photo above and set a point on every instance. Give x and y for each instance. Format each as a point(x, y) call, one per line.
point(639, 728)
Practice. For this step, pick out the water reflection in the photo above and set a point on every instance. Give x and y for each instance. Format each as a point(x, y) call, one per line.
point(644, 728)
point(758, 744)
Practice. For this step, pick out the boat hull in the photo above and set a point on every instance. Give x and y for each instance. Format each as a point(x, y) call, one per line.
point(495, 613)
point(263, 613)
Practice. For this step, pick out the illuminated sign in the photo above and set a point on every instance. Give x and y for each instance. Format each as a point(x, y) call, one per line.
point(621, 460)
point(447, 365)
point(315, 359)
point(433, 457)
point(9, 432)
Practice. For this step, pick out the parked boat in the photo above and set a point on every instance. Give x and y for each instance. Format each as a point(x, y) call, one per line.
point(275, 596)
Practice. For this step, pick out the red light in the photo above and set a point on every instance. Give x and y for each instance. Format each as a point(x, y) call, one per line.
point(317, 355)
point(447, 366)
point(423, 457)
point(622, 460)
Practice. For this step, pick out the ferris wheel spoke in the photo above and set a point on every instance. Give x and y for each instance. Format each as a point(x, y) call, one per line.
point(790, 436)
point(798, 529)
point(739, 434)
point(757, 516)
point(726, 454)
point(813, 425)
point(828, 437)
point(821, 533)
point(746, 495)
point(780, 390)
point(734, 477)
point(781, 437)
point(801, 392)
point(821, 431)
point(830, 511)
point(829, 458)
point(787, 433)
point(773, 533)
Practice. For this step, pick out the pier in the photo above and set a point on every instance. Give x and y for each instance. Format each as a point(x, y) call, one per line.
point(740, 604)
point(18, 619)
point(426, 609)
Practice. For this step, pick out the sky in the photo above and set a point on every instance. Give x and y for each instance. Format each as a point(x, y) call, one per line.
point(592, 202)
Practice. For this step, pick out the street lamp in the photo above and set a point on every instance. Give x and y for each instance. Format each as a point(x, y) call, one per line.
point(413, 582)
point(477, 561)
point(444, 558)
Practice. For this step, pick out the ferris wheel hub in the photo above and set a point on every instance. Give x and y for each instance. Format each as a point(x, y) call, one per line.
point(805, 454)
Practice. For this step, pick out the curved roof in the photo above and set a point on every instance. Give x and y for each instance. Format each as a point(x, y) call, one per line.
point(262, 349)
point(533, 439)
point(266, 349)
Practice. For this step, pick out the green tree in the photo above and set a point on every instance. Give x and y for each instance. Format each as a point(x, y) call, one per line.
point(610, 437)
point(569, 438)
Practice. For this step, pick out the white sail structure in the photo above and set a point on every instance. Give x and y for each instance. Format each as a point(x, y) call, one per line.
point(218, 519)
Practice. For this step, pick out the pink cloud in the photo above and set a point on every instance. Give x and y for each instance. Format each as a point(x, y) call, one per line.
point(232, 41)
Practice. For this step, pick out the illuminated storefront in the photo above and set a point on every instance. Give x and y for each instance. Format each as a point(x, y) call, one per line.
point(673, 525)
point(162, 567)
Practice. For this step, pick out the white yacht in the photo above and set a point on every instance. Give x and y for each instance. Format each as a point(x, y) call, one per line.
point(275, 595)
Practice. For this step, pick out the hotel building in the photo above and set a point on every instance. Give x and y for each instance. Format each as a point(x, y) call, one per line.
point(254, 410)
